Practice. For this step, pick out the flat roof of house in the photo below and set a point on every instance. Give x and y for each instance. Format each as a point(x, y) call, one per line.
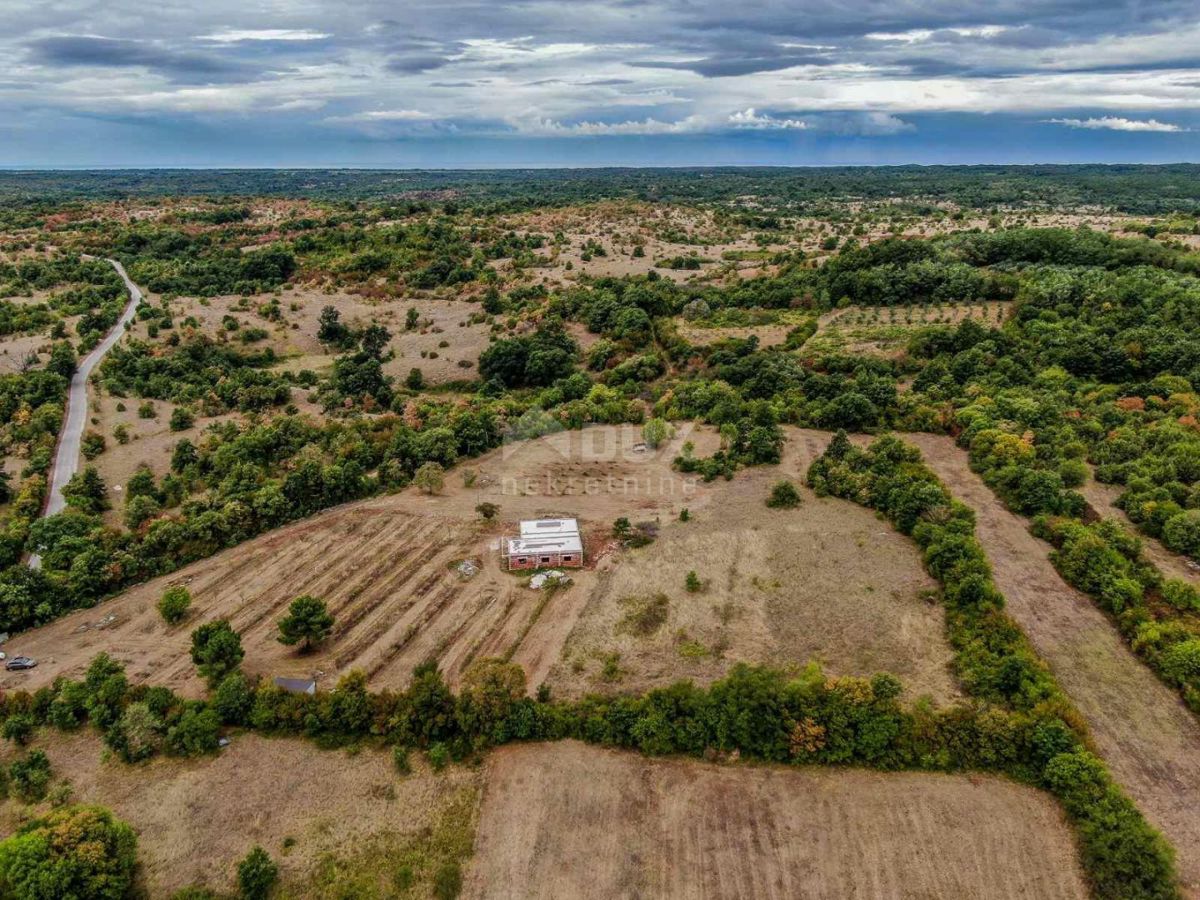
point(559, 543)
point(536, 528)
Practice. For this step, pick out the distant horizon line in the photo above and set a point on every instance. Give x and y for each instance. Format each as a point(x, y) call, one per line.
point(6, 168)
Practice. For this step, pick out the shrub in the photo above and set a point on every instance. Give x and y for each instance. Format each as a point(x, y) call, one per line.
point(308, 621)
point(401, 761)
point(197, 732)
point(257, 874)
point(430, 478)
point(643, 615)
point(487, 511)
point(447, 881)
point(18, 728)
point(174, 605)
point(233, 699)
point(80, 852)
point(693, 583)
point(216, 650)
point(783, 496)
point(439, 757)
point(182, 419)
point(29, 777)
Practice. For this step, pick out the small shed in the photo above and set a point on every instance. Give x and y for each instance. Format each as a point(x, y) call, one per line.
point(544, 543)
point(296, 685)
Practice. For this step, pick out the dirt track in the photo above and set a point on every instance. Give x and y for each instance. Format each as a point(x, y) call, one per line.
point(1103, 499)
point(569, 820)
point(1141, 728)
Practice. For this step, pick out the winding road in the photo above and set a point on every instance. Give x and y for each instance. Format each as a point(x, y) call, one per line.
point(66, 455)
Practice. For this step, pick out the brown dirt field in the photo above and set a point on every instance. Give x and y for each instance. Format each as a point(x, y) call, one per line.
point(1141, 728)
point(828, 582)
point(1103, 499)
point(569, 820)
point(768, 335)
point(385, 574)
point(195, 819)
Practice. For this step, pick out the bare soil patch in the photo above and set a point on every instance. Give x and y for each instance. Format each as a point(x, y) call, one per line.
point(195, 819)
point(569, 820)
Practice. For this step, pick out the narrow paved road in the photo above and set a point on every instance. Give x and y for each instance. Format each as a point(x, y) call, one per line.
point(66, 456)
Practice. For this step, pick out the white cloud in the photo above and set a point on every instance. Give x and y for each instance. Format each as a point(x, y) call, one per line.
point(1117, 123)
point(230, 36)
point(748, 118)
point(551, 128)
point(386, 115)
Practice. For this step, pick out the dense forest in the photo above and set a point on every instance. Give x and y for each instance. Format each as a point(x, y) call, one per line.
point(1142, 190)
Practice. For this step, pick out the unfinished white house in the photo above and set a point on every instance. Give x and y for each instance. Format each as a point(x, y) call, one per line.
point(545, 543)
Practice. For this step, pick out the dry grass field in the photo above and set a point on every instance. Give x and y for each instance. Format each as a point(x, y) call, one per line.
point(886, 330)
point(338, 824)
point(569, 820)
point(825, 582)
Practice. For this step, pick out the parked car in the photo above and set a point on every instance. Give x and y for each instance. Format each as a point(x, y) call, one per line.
point(20, 663)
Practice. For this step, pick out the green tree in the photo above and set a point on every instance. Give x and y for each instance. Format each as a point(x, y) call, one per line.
point(174, 605)
point(216, 650)
point(182, 419)
point(656, 432)
point(487, 510)
point(783, 496)
point(430, 478)
point(257, 874)
point(415, 380)
point(29, 777)
point(92, 444)
point(78, 852)
point(308, 620)
point(86, 491)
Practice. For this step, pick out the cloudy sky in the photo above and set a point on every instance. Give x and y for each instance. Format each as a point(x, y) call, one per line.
point(597, 82)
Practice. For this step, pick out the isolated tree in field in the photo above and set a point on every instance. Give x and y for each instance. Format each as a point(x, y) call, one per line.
point(415, 380)
point(216, 650)
point(430, 478)
point(257, 874)
point(783, 496)
point(92, 444)
point(77, 851)
point(174, 604)
point(487, 511)
point(307, 623)
point(411, 318)
point(693, 582)
point(330, 329)
point(656, 432)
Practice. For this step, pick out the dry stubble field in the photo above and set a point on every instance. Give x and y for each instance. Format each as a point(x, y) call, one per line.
point(570, 820)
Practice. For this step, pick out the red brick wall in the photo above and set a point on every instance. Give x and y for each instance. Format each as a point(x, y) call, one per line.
point(556, 560)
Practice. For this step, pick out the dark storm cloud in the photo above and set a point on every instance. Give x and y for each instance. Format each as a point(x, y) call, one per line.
point(120, 52)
